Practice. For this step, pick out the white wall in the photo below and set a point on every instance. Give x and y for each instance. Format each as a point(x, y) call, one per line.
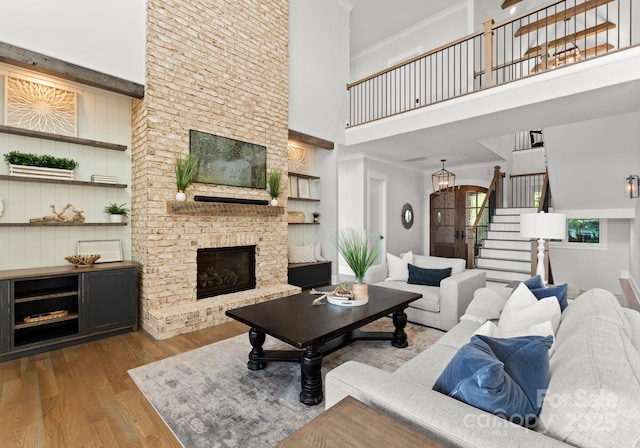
point(447, 26)
point(318, 68)
point(589, 160)
point(403, 186)
point(594, 268)
point(102, 116)
point(105, 36)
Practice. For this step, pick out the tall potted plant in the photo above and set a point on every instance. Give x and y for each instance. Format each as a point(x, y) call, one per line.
point(275, 176)
point(186, 170)
point(359, 253)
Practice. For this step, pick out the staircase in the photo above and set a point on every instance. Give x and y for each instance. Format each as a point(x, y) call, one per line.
point(505, 256)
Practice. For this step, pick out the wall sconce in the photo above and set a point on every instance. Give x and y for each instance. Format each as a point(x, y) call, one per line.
point(443, 180)
point(631, 186)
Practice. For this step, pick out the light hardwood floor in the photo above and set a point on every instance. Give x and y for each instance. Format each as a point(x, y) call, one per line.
point(82, 396)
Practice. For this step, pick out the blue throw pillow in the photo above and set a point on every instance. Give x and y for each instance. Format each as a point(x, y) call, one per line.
point(429, 277)
point(560, 291)
point(507, 377)
point(533, 283)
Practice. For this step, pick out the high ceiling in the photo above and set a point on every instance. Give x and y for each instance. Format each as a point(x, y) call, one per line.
point(464, 142)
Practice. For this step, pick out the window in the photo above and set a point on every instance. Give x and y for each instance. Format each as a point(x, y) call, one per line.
point(583, 231)
point(585, 234)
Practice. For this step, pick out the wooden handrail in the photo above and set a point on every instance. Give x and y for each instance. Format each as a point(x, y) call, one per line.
point(494, 185)
point(415, 58)
point(511, 176)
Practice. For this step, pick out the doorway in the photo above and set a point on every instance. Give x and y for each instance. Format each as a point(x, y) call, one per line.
point(451, 213)
point(377, 212)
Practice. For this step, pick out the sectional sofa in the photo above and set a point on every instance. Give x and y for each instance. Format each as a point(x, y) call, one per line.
point(592, 399)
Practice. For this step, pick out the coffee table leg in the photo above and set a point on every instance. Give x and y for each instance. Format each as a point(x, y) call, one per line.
point(311, 366)
point(399, 336)
point(257, 340)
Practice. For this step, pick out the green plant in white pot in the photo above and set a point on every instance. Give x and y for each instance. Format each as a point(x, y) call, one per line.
point(117, 213)
point(357, 250)
point(274, 179)
point(186, 170)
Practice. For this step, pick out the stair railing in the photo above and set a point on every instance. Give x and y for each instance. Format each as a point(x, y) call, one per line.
point(495, 190)
point(552, 36)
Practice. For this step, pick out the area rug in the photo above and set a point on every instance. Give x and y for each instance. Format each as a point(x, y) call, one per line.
point(209, 398)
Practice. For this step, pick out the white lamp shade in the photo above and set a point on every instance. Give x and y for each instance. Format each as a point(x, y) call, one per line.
point(543, 225)
point(528, 225)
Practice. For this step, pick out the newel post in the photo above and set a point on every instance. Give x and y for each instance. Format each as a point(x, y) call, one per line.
point(488, 51)
point(498, 186)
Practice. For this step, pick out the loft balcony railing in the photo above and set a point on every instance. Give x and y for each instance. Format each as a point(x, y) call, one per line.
point(560, 34)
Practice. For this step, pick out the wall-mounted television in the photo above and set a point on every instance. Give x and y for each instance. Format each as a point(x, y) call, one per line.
point(226, 161)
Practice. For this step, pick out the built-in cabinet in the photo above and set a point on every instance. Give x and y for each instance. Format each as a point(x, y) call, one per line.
point(304, 196)
point(48, 308)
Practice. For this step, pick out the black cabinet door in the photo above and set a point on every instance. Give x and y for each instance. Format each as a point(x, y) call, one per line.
point(5, 317)
point(109, 300)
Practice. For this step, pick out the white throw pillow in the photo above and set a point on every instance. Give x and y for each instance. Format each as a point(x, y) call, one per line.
point(399, 267)
point(542, 329)
point(523, 310)
point(486, 304)
point(302, 254)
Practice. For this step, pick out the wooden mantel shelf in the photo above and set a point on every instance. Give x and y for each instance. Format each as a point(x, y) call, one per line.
point(222, 209)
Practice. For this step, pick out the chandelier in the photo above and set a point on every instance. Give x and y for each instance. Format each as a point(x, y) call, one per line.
point(443, 180)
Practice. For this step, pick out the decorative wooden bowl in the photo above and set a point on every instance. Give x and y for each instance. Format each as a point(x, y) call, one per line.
point(82, 259)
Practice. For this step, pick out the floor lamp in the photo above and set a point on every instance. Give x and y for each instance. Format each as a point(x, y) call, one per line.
point(542, 226)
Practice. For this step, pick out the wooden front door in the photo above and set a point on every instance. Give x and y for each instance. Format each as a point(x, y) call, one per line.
point(452, 212)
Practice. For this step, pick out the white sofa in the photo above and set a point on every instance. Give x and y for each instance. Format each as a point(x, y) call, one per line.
point(440, 307)
point(593, 397)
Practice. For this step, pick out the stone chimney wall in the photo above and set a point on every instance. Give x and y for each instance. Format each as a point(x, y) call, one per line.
point(219, 67)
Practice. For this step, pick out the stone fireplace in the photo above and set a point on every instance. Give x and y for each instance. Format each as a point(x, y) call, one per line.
point(221, 68)
point(225, 270)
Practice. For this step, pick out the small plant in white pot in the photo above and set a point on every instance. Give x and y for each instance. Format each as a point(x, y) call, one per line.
point(117, 213)
point(186, 170)
point(274, 179)
point(359, 253)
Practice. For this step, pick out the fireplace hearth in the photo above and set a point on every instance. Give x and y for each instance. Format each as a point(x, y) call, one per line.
point(225, 270)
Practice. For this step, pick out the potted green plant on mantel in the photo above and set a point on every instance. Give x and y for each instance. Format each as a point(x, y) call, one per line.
point(42, 166)
point(274, 179)
point(186, 170)
point(117, 213)
point(359, 253)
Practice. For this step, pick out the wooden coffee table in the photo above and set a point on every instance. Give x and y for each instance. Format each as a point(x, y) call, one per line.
point(351, 423)
point(319, 330)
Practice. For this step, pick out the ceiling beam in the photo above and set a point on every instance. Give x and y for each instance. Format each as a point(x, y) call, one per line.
point(41, 63)
point(560, 16)
point(564, 41)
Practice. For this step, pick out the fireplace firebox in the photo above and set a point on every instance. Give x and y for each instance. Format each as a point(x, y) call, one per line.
point(225, 270)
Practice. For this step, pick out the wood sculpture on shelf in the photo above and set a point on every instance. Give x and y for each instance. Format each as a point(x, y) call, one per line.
point(75, 216)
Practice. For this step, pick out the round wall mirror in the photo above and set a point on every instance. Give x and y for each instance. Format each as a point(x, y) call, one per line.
point(407, 216)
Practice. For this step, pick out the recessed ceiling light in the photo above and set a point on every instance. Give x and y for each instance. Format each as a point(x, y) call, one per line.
point(512, 11)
